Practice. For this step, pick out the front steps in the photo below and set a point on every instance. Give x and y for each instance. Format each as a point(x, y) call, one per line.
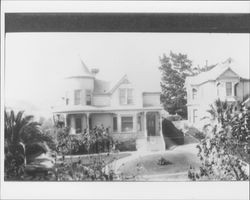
point(151, 143)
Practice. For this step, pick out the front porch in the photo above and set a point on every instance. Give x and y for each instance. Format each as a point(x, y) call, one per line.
point(143, 126)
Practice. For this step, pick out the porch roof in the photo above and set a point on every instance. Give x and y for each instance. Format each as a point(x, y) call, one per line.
point(107, 109)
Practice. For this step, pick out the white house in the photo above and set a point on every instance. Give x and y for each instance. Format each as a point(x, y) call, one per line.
point(221, 82)
point(121, 108)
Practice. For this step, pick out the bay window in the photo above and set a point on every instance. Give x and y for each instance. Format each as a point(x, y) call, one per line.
point(77, 95)
point(88, 97)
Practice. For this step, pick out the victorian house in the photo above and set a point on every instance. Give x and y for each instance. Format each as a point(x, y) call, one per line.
point(120, 107)
point(221, 82)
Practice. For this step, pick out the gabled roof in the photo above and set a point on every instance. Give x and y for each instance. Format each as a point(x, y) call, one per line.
point(105, 87)
point(115, 85)
point(213, 74)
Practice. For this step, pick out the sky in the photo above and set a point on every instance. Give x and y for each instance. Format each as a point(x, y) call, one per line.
point(36, 63)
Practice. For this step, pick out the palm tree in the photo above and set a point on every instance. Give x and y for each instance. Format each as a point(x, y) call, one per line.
point(19, 131)
point(221, 111)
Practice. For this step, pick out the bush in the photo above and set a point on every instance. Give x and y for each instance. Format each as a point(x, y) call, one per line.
point(195, 133)
point(128, 145)
point(170, 131)
point(223, 152)
point(95, 141)
point(164, 161)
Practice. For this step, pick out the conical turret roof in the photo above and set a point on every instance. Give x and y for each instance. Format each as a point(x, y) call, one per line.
point(79, 69)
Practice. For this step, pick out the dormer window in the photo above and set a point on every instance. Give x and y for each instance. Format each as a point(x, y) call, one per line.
point(88, 97)
point(229, 89)
point(126, 96)
point(67, 101)
point(77, 95)
point(194, 93)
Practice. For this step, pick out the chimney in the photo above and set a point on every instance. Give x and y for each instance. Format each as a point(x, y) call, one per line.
point(206, 63)
point(94, 71)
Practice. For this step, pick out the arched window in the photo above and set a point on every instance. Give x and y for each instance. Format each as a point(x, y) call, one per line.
point(194, 93)
point(218, 89)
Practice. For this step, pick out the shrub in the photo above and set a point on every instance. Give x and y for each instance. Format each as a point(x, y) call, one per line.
point(127, 145)
point(94, 141)
point(195, 133)
point(77, 171)
point(164, 161)
point(224, 150)
point(170, 131)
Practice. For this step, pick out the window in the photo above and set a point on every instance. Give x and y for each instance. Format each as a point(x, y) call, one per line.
point(67, 101)
point(229, 89)
point(77, 97)
point(78, 125)
point(127, 124)
point(122, 96)
point(130, 96)
point(218, 89)
point(88, 97)
point(115, 124)
point(194, 93)
point(195, 116)
point(126, 96)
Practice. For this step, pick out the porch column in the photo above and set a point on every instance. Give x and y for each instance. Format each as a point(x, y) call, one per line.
point(65, 119)
point(135, 122)
point(145, 124)
point(87, 122)
point(119, 123)
point(72, 125)
point(160, 121)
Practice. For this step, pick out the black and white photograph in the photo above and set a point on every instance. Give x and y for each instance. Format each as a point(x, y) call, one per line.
point(112, 97)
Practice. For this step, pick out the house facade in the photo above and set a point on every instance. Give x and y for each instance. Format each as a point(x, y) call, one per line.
point(221, 82)
point(120, 107)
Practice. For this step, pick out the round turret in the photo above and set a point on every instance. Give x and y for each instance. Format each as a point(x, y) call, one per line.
point(79, 84)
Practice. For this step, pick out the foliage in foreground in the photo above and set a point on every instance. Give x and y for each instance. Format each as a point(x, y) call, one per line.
point(224, 153)
point(20, 131)
point(93, 141)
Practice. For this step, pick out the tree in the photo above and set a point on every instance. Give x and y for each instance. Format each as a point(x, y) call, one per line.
point(19, 132)
point(175, 68)
point(224, 152)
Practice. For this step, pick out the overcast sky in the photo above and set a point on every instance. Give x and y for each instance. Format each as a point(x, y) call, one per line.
point(37, 62)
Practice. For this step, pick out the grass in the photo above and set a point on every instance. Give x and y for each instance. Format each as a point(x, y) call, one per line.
point(148, 165)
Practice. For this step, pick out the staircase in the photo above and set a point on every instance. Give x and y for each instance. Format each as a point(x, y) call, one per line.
point(151, 143)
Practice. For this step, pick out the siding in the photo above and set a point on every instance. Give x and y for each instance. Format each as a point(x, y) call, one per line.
point(101, 100)
point(151, 99)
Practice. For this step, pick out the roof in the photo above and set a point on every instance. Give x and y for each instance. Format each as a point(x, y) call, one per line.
point(101, 86)
point(105, 87)
point(79, 69)
point(212, 74)
point(107, 109)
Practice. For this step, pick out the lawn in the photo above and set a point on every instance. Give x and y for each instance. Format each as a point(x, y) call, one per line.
point(178, 163)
